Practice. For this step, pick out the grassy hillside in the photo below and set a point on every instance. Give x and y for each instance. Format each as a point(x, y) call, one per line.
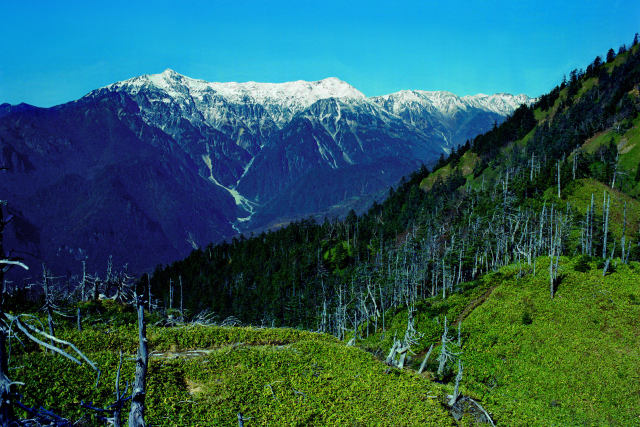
point(530, 360)
point(578, 195)
point(533, 360)
point(627, 141)
point(465, 166)
point(204, 375)
point(568, 360)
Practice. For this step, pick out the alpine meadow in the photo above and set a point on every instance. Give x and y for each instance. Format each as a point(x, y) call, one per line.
point(180, 251)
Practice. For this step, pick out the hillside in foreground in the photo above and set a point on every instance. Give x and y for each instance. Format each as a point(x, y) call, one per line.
point(207, 375)
point(532, 360)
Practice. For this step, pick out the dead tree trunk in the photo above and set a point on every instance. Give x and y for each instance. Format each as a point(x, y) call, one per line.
point(615, 171)
point(6, 414)
point(94, 289)
point(83, 282)
point(47, 303)
point(392, 353)
point(119, 399)
point(181, 301)
point(587, 231)
point(554, 258)
point(425, 360)
point(456, 390)
point(590, 251)
point(136, 414)
point(624, 231)
point(170, 294)
point(531, 169)
point(607, 261)
point(444, 352)
point(149, 300)
point(558, 179)
point(605, 213)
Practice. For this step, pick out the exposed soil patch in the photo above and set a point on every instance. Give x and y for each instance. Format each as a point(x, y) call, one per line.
point(474, 304)
point(193, 387)
point(181, 354)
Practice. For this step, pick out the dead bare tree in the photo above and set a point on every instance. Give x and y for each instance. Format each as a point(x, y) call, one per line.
point(83, 282)
point(115, 408)
point(456, 390)
point(136, 414)
point(446, 354)
point(170, 294)
point(21, 322)
point(120, 283)
point(605, 214)
point(423, 365)
point(625, 251)
point(6, 411)
point(615, 169)
point(181, 301)
point(48, 303)
point(398, 353)
point(558, 164)
point(587, 231)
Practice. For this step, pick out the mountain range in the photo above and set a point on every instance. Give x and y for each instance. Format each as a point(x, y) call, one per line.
point(146, 169)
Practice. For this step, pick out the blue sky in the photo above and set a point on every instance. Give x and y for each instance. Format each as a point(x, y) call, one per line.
point(53, 52)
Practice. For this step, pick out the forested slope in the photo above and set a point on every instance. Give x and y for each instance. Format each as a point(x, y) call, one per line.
point(522, 190)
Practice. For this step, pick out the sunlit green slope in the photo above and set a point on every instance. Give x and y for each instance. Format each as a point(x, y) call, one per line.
point(533, 360)
point(207, 375)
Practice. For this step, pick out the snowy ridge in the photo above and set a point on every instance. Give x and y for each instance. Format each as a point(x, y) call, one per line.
point(293, 97)
point(501, 103)
point(289, 97)
point(230, 125)
point(448, 104)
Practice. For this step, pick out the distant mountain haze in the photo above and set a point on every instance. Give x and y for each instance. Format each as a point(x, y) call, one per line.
point(148, 168)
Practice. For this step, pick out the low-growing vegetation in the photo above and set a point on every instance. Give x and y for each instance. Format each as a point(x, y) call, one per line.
point(533, 360)
point(208, 375)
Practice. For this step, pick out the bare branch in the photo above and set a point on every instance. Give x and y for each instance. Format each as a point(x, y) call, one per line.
point(27, 329)
point(10, 262)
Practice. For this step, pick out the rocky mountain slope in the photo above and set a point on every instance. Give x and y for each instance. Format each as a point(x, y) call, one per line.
point(456, 119)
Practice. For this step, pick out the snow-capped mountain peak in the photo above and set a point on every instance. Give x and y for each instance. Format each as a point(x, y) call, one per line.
point(300, 92)
point(272, 102)
point(257, 104)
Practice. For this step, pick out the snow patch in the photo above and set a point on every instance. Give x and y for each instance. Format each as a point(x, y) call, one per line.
point(245, 204)
point(325, 154)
